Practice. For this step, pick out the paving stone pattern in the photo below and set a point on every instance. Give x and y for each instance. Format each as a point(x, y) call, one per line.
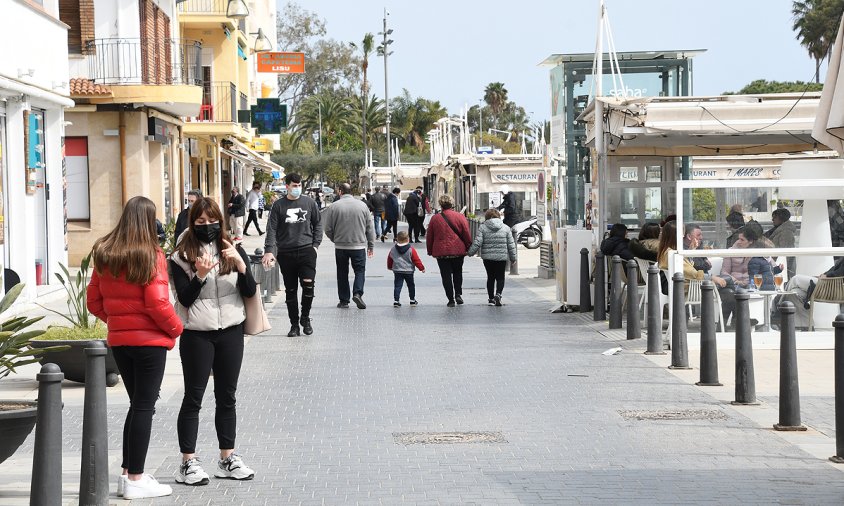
point(318, 414)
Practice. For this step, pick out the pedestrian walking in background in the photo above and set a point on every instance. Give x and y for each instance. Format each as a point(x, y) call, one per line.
point(237, 210)
point(348, 226)
point(403, 259)
point(447, 240)
point(414, 213)
point(262, 203)
point(294, 231)
point(392, 212)
point(508, 206)
point(211, 278)
point(128, 291)
point(182, 219)
point(426, 210)
point(378, 200)
point(494, 242)
point(253, 202)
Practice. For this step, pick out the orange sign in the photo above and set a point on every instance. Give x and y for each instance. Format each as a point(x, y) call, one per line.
point(281, 63)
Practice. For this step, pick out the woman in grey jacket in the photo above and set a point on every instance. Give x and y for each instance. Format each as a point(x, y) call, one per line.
point(211, 278)
point(495, 244)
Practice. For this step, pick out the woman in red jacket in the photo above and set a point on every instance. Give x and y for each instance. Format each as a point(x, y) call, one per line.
point(129, 291)
point(448, 240)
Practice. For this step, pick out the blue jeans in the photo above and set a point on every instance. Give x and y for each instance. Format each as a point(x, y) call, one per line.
point(358, 260)
point(400, 279)
point(380, 225)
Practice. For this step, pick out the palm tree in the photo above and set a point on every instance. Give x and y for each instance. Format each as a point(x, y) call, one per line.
point(366, 48)
point(816, 23)
point(335, 110)
point(374, 118)
point(495, 95)
point(412, 118)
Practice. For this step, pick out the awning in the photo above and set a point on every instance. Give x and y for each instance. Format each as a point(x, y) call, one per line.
point(829, 123)
point(252, 158)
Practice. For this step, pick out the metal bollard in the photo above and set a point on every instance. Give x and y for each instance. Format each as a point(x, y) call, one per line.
point(46, 485)
point(93, 482)
point(616, 294)
point(654, 313)
point(679, 338)
point(745, 378)
point(634, 324)
point(838, 324)
point(600, 310)
point(514, 266)
point(708, 344)
point(789, 384)
point(585, 296)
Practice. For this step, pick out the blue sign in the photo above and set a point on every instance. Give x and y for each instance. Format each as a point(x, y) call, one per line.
point(269, 116)
point(485, 150)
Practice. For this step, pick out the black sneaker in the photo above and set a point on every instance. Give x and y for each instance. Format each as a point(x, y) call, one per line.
point(383, 237)
point(450, 303)
point(359, 301)
point(490, 302)
point(246, 233)
point(260, 233)
point(458, 299)
point(306, 326)
point(497, 299)
point(397, 303)
point(414, 303)
point(343, 305)
point(294, 331)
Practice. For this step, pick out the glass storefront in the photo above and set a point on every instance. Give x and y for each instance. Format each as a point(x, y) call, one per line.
point(640, 190)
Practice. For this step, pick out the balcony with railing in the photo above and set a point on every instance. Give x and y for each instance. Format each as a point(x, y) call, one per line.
point(144, 61)
point(208, 13)
point(218, 113)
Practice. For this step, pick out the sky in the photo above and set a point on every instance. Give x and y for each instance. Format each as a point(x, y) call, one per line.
point(449, 50)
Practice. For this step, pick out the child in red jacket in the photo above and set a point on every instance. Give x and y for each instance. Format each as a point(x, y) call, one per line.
point(403, 260)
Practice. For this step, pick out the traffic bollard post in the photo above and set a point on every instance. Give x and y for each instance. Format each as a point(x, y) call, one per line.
point(708, 344)
point(616, 294)
point(679, 337)
point(585, 296)
point(789, 384)
point(634, 324)
point(600, 311)
point(745, 378)
point(46, 488)
point(655, 346)
point(93, 482)
point(838, 325)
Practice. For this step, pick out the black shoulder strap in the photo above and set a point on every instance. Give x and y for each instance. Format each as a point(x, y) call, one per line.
point(450, 225)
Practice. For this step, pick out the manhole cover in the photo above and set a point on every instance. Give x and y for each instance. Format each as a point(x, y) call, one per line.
point(674, 414)
point(434, 438)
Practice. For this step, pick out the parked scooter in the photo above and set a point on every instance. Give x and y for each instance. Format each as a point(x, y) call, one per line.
point(528, 233)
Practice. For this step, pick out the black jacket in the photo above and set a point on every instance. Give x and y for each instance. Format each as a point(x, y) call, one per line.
point(378, 201)
point(238, 207)
point(181, 223)
point(508, 205)
point(640, 251)
point(411, 205)
point(391, 207)
point(620, 246)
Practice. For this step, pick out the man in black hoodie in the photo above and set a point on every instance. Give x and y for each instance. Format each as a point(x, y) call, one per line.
point(294, 232)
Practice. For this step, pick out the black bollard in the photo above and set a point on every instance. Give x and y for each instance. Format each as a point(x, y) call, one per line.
point(600, 313)
point(789, 385)
point(616, 294)
point(679, 339)
point(708, 344)
point(634, 324)
point(838, 324)
point(745, 378)
point(585, 296)
point(654, 313)
point(46, 484)
point(93, 481)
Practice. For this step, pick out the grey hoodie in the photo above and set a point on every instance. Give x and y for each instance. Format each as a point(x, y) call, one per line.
point(494, 241)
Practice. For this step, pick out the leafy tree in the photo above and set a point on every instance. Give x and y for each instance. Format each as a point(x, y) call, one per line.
point(329, 64)
point(366, 48)
point(374, 119)
point(335, 173)
point(816, 23)
point(760, 86)
point(332, 111)
point(703, 204)
point(412, 118)
point(495, 96)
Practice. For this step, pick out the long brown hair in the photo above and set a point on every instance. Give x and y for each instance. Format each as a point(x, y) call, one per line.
point(131, 249)
point(190, 246)
point(667, 238)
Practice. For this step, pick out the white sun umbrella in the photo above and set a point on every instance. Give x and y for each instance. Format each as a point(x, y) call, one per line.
point(829, 122)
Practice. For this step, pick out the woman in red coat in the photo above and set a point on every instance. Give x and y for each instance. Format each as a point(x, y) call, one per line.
point(129, 291)
point(448, 240)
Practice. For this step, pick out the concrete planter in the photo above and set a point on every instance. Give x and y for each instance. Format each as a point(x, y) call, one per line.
point(15, 425)
point(72, 360)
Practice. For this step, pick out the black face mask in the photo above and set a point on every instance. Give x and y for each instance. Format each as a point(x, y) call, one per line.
point(207, 233)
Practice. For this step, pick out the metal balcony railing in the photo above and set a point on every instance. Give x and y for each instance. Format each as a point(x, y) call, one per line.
point(145, 61)
point(219, 102)
point(203, 7)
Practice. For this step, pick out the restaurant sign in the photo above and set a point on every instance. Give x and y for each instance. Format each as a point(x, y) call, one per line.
point(736, 173)
point(514, 176)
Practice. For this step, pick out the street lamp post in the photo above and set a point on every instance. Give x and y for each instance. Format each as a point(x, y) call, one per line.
point(384, 51)
point(481, 124)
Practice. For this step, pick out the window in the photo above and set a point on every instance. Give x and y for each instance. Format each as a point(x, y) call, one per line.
point(76, 160)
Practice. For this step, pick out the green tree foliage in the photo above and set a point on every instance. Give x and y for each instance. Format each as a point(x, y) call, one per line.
point(374, 119)
point(761, 86)
point(703, 205)
point(330, 110)
point(365, 48)
point(816, 23)
point(495, 96)
point(330, 64)
point(412, 118)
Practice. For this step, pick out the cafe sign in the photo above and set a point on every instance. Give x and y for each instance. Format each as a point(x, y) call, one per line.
point(281, 63)
point(736, 173)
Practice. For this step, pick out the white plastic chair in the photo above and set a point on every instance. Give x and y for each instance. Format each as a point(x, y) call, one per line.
point(694, 296)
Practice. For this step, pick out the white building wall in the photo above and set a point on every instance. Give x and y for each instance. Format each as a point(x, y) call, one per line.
point(262, 14)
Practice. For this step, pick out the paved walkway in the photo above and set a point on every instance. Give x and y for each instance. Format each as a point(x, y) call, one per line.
point(325, 419)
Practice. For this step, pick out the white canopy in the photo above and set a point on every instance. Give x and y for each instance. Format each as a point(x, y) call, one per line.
point(829, 123)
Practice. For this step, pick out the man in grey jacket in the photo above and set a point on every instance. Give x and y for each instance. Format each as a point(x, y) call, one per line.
point(348, 226)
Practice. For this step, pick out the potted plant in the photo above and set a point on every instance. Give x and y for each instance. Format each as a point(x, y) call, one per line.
point(16, 417)
point(83, 329)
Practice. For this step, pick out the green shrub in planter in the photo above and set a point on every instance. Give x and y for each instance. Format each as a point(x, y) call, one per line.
point(57, 333)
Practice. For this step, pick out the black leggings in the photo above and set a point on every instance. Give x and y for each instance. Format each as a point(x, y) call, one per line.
point(142, 369)
point(253, 218)
point(202, 352)
point(495, 276)
point(451, 271)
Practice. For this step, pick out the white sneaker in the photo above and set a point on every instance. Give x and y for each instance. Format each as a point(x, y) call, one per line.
point(233, 468)
point(145, 488)
point(191, 473)
point(121, 484)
